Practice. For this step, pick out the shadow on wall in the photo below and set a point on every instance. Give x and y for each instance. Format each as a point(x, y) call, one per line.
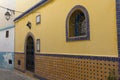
point(7, 60)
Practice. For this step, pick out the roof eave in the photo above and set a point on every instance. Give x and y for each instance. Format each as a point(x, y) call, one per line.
point(31, 9)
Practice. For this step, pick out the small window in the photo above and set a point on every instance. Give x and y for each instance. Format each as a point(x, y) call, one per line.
point(38, 19)
point(77, 24)
point(10, 61)
point(38, 45)
point(7, 34)
point(19, 62)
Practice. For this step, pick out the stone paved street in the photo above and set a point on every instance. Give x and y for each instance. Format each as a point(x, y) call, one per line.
point(13, 75)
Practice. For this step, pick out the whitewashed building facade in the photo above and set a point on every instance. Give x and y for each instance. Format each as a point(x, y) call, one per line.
point(7, 47)
point(6, 35)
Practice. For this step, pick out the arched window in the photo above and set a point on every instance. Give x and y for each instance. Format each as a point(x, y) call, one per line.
point(77, 24)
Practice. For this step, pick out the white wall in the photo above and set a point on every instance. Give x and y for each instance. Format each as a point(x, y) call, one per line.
point(9, 4)
point(7, 44)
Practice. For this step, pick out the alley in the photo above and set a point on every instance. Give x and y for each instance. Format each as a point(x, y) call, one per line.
point(13, 75)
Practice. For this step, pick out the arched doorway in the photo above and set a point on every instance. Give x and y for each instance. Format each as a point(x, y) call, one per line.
point(30, 54)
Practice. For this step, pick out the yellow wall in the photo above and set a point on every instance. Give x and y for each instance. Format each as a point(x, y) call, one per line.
point(52, 30)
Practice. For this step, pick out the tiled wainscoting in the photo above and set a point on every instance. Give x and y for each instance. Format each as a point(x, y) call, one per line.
point(71, 67)
point(20, 61)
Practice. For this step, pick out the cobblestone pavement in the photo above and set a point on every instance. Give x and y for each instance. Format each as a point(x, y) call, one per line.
point(12, 75)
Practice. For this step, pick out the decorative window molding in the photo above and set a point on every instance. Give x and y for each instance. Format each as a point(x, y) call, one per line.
point(38, 45)
point(38, 19)
point(77, 24)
